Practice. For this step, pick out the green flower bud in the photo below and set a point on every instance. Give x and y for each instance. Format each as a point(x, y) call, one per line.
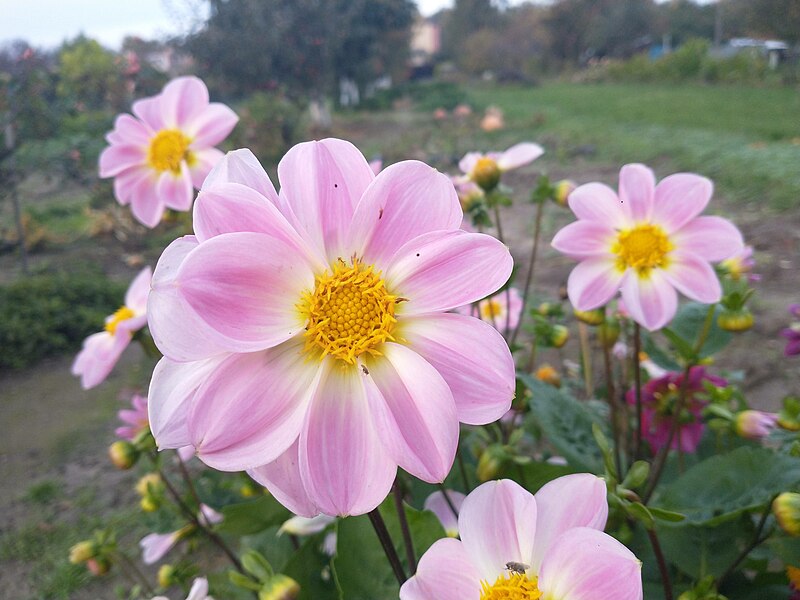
point(123, 454)
point(166, 576)
point(735, 320)
point(490, 462)
point(591, 317)
point(82, 551)
point(279, 587)
point(786, 508)
point(560, 335)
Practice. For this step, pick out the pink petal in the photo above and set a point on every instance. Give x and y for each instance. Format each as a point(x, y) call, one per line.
point(405, 200)
point(97, 358)
point(149, 110)
point(468, 162)
point(147, 207)
point(711, 238)
point(211, 126)
point(593, 282)
point(571, 501)
point(441, 270)
point(199, 590)
point(519, 155)
point(241, 166)
point(586, 564)
point(116, 159)
point(176, 328)
point(246, 286)
point(438, 505)
point(322, 182)
point(679, 199)
point(176, 190)
point(651, 300)
point(584, 239)
point(202, 163)
point(156, 545)
point(173, 387)
point(251, 408)
point(136, 296)
point(445, 572)
point(128, 130)
point(282, 478)
point(182, 99)
point(497, 524)
point(473, 358)
point(637, 186)
point(128, 180)
point(343, 463)
point(693, 277)
point(598, 202)
point(414, 412)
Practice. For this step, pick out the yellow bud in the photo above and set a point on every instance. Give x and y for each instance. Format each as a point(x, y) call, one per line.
point(149, 485)
point(735, 320)
point(166, 576)
point(486, 173)
point(123, 454)
point(81, 552)
point(279, 587)
point(560, 335)
point(786, 508)
point(490, 463)
point(608, 333)
point(591, 317)
point(549, 375)
point(149, 503)
point(562, 190)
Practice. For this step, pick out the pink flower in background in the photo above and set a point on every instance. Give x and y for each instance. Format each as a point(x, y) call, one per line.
point(485, 169)
point(792, 333)
point(159, 156)
point(440, 506)
point(136, 419)
point(307, 337)
point(514, 544)
point(376, 165)
point(755, 424)
point(648, 242)
point(199, 591)
point(501, 309)
point(155, 546)
point(741, 264)
point(659, 400)
point(101, 351)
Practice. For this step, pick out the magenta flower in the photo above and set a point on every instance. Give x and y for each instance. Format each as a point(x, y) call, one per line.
point(135, 419)
point(101, 351)
point(792, 333)
point(659, 399)
point(647, 242)
point(518, 545)
point(755, 424)
point(306, 335)
point(486, 169)
point(502, 310)
point(159, 155)
point(440, 506)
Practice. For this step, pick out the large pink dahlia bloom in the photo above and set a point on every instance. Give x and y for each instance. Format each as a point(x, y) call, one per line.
point(648, 242)
point(101, 351)
point(159, 156)
point(306, 334)
point(547, 546)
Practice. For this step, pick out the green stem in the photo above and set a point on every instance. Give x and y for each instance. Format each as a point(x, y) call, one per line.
point(612, 404)
point(637, 378)
point(537, 230)
point(758, 539)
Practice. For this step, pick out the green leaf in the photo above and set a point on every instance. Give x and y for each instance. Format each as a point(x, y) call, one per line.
point(725, 486)
point(311, 569)
point(245, 518)
point(700, 551)
point(566, 424)
point(639, 511)
point(682, 346)
point(689, 321)
point(666, 515)
point(258, 566)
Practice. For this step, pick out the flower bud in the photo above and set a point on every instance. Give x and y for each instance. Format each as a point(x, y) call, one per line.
point(755, 424)
point(98, 566)
point(549, 375)
point(123, 454)
point(591, 317)
point(150, 503)
point(486, 173)
point(561, 191)
point(250, 489)
point(608, 332)
point(166, 576)
point(150, 485)
point(81, 552)
point(279, 587)
point(560, 335)
point(490, 462)
point(786, 508)
point(735, 320)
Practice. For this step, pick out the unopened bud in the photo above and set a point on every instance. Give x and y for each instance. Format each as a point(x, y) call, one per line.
point(548, 374)
point(150, 485)
point(123, 454)
point(755, 424)
point(150, 503)
point(486, 173)
point(81, 552)
point(490, 463)
point(561, 191)
point(560, 335)
point(279, 587)
point(166, 576)
point(98, 566)
point(591, 317)
point(735, 320)
point(786, 508)
point(608, 332)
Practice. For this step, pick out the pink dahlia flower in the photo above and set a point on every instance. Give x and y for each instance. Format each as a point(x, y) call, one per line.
point(659, 399)
point(159, 156)
point(755, 424)
point(501, 310)
point(135, 419)
point(648, 241)
point(514, 544)
point(441, 507)
point(101, 351)
point(485, 169)
point(306, 334)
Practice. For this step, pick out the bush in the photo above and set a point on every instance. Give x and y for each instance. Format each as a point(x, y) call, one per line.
point(50, 314)
point(270, 123)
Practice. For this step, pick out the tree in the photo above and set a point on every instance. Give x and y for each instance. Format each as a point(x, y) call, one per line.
point(466, 18)
point(89, 75)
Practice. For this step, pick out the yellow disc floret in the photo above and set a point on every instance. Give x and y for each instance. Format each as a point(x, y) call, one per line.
point(643, 248)
point(515, 586)
point(167, 149)
point(349, 313)
point(490, 309)
point(123, 314)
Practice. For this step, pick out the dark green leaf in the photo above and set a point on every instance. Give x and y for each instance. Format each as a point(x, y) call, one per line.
point(701, 551)
point(689, 321)
point(311, 569)
point(246, 518)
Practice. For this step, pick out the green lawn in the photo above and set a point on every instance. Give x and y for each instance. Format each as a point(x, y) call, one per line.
point(746, 139)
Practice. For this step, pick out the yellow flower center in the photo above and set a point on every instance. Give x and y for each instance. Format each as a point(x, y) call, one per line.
point(123, 314)
point(643, 248)
point(516, 586)
point(490, 309)
point(486, 173)
point(349, 313)
point(167, 149)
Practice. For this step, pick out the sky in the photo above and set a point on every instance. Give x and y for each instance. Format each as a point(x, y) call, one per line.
point(47, 23)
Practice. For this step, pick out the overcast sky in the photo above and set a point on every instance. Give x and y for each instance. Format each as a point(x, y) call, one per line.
point(49, 22)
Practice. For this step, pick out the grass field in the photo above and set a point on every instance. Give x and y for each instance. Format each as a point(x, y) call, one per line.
point(746, 139)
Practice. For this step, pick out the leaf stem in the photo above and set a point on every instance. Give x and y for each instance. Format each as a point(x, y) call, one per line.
point(388, 547)
point(662, 564)
point(404, 529)
point(537, 230)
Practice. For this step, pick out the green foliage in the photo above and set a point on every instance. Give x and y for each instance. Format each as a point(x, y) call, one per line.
point(49, 314)
point(89, 74)
point(270, 123)
point(429, 96)
point(689, 322)
point(250, 517)
point(726, 486)
point(699, 551)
